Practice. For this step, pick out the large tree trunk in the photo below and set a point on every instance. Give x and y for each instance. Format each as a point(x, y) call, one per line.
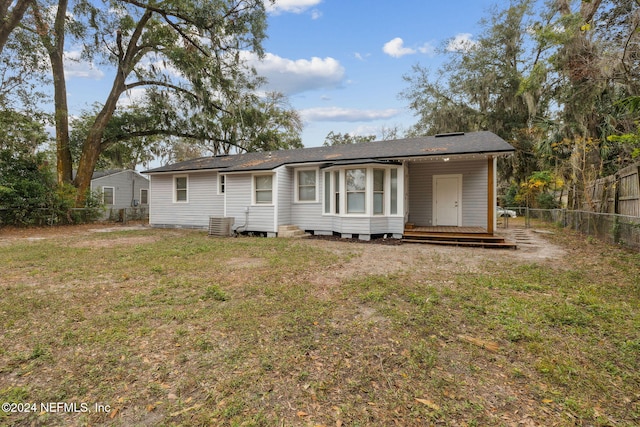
point(64, 161)
point(93, 146)
point(55, 47)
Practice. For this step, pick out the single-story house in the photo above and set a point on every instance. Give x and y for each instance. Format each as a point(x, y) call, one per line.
point(121, 189)
point(360, 190)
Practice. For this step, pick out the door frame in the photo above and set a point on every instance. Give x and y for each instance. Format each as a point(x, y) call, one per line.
point(435, 195)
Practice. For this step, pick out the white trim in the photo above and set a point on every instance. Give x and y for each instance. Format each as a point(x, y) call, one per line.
point(369, 199)
point(113, 195)
point(434, 195)
point(220, 185)
point(175, 189)
point(296, 183)
point(386, 196)
point(254, 202)
point(147, 203)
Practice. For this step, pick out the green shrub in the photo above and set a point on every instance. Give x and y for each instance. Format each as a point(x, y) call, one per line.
point(30, 195)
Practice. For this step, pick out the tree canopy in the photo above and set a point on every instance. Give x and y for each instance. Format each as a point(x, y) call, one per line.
point(549, 77)
point(184, 56)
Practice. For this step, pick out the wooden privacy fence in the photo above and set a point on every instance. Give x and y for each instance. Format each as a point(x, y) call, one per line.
point(615, 194)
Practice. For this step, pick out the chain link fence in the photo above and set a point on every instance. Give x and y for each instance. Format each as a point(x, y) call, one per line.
point(46, 216)
point(611, 228)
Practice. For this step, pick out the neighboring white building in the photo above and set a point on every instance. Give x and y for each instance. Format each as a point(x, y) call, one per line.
point(360, 190)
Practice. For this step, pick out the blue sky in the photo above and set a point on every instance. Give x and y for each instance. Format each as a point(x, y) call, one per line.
point(340, 62)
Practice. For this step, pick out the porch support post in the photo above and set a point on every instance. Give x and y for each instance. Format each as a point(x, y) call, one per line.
point(491, 197)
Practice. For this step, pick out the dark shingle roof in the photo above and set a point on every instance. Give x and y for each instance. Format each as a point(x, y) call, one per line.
point(439, 145)
point(103, 173)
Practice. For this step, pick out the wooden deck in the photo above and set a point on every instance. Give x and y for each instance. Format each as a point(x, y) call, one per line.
point(456, 236)
point(454, 230)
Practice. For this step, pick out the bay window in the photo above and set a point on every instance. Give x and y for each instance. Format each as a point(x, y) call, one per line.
point(372, 190)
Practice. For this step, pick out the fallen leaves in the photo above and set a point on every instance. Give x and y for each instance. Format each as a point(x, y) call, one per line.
point(428, 403)
point(487, 345)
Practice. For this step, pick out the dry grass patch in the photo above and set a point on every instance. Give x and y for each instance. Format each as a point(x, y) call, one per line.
point(176, 328)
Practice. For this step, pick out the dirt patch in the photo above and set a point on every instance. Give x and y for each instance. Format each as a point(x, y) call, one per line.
point(385, 256)
point(246, 262)
point(122, 241)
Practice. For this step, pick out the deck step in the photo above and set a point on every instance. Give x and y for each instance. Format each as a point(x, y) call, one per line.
point(484, 240)
point(478, 243)
point(454, 236)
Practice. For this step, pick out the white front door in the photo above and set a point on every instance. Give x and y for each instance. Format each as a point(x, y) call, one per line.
point(447, 192)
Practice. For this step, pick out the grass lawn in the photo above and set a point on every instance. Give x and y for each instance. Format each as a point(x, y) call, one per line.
point(171, 327)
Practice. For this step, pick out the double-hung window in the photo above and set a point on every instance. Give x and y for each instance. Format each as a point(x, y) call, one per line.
point(263, 185)
point(394, 192)
point(221, 183)
point(306, 180)
point(378, 191)
point(144, 196)
point(356, 183)
point(108, 196)
point(181, 184)
point(336, 191)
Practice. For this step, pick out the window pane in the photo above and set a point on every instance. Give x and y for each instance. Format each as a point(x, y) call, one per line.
point(263, 196)
point(336, 187)
point(355, 203)
point(394, 191)
point(181, 183)
point(307, 193)
point(107, 195)
point(378, 180)
point(327, 192)
point(356, 179)
point(144, 196)
point(307, 178)
point(263, 182)
point(181, 195)
point(378, 203)
point(307, 185)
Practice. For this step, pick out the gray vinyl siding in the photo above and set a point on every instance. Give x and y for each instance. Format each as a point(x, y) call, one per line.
point(285, 195)
point(203, 201)
point(308, 215)
point(260, 218)
point(365, 225)
point(311, 217)
point(474, 190)
point(126, 188)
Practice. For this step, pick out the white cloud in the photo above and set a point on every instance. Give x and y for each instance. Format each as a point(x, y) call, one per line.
point(361, 57)
point(75, 66)
point(292, 6)
point(316, 14)
point(337, 114)
point(396, 48)
point(295, 76)
point(461, 43)
point(132, 97)
point(427, 49)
